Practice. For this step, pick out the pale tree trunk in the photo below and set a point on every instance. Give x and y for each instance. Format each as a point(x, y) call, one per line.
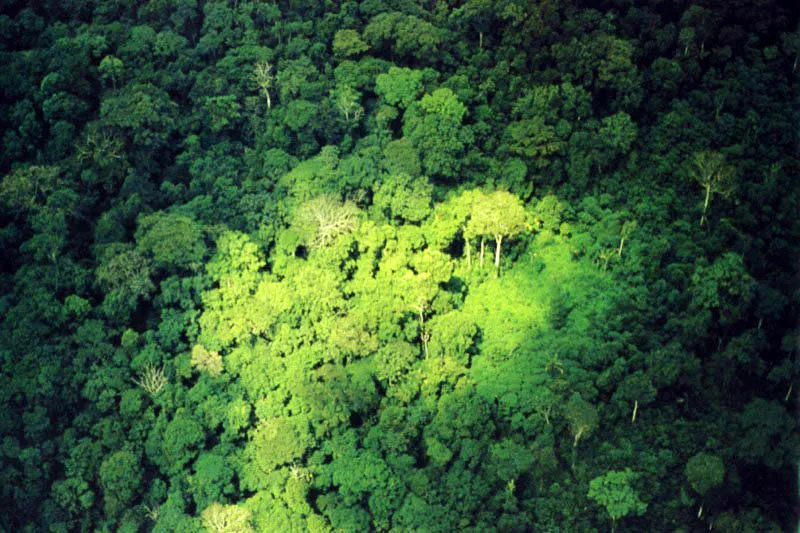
point(269, 100)
point(635, 410)
point(480, 40)
point(621, 244)
point(482, 249)
point(498, 242)
point(705, 204)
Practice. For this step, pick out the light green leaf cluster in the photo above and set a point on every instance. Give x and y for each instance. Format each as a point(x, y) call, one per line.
point(613, 490)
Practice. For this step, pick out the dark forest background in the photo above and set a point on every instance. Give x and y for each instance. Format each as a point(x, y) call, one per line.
point(483, 265)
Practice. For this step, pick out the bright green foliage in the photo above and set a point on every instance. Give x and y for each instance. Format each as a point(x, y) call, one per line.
point(244, 302)
point(613, 491)
point(207, 361)
point(503, 315)
point(705, 472)
point(219, 518)
point(453, 336)
point(394, 360)
point(499, 214)
point(548, 213)
point(451, 217)
point(400, 86)
point(245, 275)
point(279, 441)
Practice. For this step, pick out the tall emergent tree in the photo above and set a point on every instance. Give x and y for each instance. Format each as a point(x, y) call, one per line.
point(714, 174)
point(613, 491)
point(264, 78)
point(499, 214)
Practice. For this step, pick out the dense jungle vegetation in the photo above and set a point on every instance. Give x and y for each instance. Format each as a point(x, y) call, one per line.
point(399, 265)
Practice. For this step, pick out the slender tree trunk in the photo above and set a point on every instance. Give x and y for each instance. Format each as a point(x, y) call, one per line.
point(480, 40)
point(705, 204)
point(498, 242)
point(635, 410)
point(269, 100)
point(483, 242)
point(621, 244)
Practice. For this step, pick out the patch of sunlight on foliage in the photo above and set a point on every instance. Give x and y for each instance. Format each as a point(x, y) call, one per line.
point(509, 309)
point(580, 291)
point(546, 289)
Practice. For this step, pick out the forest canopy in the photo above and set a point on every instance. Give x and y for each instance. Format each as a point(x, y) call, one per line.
point(399, 265)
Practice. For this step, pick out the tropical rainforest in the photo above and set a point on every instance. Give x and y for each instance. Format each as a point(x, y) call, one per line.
point(399, 265)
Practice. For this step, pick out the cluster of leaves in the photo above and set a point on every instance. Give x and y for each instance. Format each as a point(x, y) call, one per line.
point(246, 284)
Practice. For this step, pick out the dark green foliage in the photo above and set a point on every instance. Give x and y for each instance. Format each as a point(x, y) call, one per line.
point(704, 472)
point(120, 478)
point(486, 265)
